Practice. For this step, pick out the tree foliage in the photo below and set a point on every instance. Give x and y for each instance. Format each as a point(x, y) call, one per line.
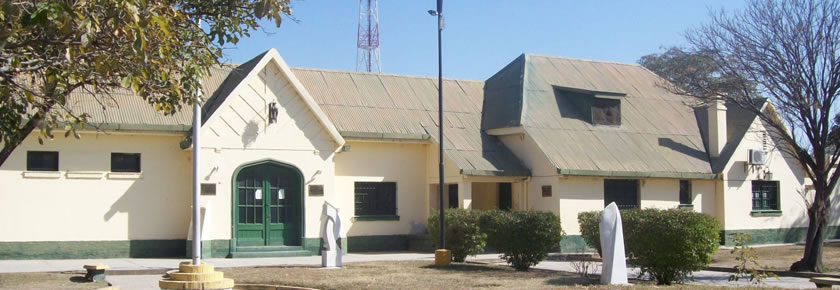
point(786, 52)
point(157, 49)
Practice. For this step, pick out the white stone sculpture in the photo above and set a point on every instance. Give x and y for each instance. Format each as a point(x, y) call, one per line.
point(331, 249)
point(614, 267)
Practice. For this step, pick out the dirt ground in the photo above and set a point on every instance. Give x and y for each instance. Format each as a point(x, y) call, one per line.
point(47, 281)
point(781, 257)
point(421, 275)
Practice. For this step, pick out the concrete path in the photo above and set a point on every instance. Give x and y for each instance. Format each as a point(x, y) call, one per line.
point(147, 277)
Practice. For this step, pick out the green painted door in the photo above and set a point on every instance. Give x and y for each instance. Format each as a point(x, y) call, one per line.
point(268, 206)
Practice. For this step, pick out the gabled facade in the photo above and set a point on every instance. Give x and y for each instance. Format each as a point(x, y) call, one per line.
point(544, 133)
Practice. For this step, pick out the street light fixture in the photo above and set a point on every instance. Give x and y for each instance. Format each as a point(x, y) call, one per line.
point(442, 256)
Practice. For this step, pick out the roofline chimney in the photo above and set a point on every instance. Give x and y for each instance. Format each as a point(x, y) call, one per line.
point(717, 127)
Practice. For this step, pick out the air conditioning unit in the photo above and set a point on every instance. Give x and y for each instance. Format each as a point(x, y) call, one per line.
point(757, 157)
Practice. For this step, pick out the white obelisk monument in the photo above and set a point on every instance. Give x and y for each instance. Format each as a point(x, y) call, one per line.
point(614, 268)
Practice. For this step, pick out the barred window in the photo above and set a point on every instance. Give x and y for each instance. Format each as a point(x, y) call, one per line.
point(125, 162)
point(42, 161)
point(624, 192)
point(376, 198)
point(765, 195)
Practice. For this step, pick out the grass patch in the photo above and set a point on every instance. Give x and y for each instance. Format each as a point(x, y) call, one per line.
point(781, 257)
point(47, 281)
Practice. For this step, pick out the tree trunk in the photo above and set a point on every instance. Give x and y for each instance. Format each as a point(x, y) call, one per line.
point(812, 258)
point(9, 147)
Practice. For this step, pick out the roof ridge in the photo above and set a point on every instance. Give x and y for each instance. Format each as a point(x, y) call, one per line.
point(380, 74)
point(584, 59)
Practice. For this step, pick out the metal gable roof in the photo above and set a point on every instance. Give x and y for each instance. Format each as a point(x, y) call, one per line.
point(123, 110)
point(382, 106)
point(658, 135)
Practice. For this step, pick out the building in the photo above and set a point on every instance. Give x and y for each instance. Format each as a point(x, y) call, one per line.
point(544, 133)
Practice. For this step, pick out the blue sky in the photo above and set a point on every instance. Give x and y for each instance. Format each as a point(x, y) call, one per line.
point(480, 37)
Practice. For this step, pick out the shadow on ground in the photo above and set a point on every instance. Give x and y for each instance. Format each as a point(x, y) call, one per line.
point(79, 279)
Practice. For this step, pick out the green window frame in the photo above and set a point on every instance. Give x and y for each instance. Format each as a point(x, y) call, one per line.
point(765, 195)
point(125, 162)
point(42, 160)
point(624, 192)
point(376, 198)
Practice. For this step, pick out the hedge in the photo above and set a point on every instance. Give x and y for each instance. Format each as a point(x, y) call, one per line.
point(463, 235)
point(523, 238)
point(668, 244)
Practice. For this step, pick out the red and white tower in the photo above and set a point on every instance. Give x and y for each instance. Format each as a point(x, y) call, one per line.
point(367, 57)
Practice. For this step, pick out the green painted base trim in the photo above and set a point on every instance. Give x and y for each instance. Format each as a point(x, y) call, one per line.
point(686, 206)
point(758, 213)
point(388, 243)
point(210, 249)
point(92, 249)
point(314, 245)
point(376, 218)
point(775, 236)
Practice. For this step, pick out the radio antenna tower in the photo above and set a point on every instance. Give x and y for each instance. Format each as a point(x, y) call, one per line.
point(367, 57)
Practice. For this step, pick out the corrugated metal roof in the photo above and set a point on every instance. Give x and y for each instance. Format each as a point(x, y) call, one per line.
point(658, 132)
point(386, 106)
point(123, 110)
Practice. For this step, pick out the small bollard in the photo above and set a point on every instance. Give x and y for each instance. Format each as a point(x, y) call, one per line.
point(95, 272)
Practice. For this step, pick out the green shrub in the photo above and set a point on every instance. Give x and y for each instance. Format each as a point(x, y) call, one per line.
point(463, 235)
point(590, 222)
point(670, 244)
point(666, 244)
point(523, 238)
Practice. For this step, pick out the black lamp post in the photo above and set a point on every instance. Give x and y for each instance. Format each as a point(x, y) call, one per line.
point(439, 14)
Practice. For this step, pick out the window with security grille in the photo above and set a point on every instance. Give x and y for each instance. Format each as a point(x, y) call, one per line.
point(376, 198)
point(685, 192)
point(41, 161)
point(125, 162)
point(765, 195)
point(624, 192)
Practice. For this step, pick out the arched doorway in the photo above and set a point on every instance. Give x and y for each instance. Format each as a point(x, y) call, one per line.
point(267, 205)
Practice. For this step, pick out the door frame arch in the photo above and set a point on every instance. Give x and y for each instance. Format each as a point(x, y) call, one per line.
point(301, 202)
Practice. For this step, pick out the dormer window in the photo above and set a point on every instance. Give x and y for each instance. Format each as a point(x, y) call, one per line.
point(606, 112)
point(596, 107)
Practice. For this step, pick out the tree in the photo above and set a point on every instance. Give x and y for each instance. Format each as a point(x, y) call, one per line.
point(787, 52)
point(158, 49)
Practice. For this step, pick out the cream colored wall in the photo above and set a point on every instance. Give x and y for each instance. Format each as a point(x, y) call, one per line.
point(83, 201)
point(239, 134)
point(485, 195)
point(659, 193)
point(572, 195)
point(530, 154)
point(403, 163)
point(738, 186)
point(703, 196)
